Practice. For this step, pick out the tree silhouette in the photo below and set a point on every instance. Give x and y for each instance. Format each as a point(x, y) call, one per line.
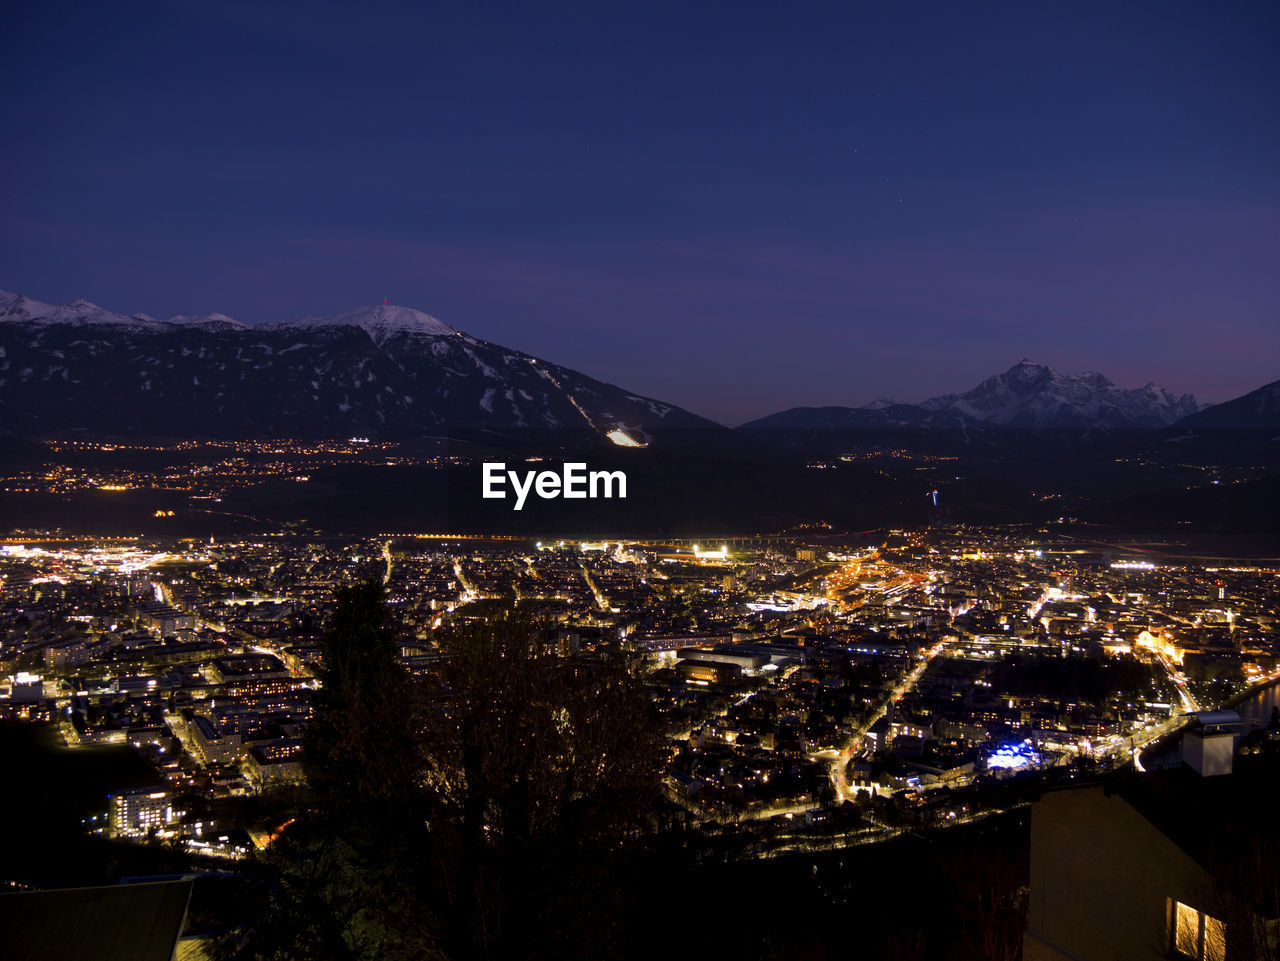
point(489, 811)
point(1243, 890)
point(346, 880)
point(360, 749)
point(541, 770)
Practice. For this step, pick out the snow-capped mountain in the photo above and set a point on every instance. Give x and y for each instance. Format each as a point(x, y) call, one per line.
point(1027, 396)
point(381, 323)
point(1032, 396)
point(383, 371)
point(15, 308)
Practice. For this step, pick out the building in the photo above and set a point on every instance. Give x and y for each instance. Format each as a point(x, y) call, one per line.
point(142, 922)
point(164, 619)
point(68, 654)
point(698, 671)
point(1164, 864)
point(26, 688)
point(279, 762)
point(212, 744)
point(1209, 744)
point(137, 812)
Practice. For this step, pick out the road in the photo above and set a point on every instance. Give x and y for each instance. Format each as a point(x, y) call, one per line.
point(602, 602)
point(1135, 743)
point(840, 763)
point(469, 592)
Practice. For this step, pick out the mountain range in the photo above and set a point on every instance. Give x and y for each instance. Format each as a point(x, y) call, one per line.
point(393, 372)
point(1027, 396)
point(384, 371)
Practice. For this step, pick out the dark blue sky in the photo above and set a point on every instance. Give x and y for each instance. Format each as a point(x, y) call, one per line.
point(736, 207)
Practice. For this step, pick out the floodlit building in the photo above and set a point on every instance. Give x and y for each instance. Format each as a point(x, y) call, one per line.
point(26, 688)
point(1209, 745)
point(698, 671)
point(135, 813)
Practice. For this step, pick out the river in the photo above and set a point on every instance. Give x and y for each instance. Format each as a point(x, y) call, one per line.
point(1259, 705)
point(1255, 710)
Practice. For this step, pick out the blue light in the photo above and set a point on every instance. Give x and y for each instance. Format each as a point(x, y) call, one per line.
point(1013, 756)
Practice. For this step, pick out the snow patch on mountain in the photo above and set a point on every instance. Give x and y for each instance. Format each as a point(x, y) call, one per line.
point(382, 323)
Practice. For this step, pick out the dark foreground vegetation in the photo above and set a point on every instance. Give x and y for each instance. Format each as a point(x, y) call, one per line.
point(507, 805)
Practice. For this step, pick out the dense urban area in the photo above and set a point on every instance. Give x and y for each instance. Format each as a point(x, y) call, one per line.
point(910, 676)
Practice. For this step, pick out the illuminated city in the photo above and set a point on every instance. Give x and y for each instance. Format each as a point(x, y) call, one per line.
point(616, 482)
point(815, 697)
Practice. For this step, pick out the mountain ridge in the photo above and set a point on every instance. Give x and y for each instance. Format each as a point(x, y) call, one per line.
point(383, 371)
point(1027, 396)
point(388, 370)
point(1258, 409)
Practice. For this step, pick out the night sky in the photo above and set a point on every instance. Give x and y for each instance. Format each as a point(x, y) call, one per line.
point(738, 207)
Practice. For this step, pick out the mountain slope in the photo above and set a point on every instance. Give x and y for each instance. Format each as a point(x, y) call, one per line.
point(1258, 409)
point(381, 371)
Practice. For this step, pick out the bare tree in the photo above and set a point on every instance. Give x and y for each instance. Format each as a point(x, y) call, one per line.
point(990, 886)
point(486, 812)
point(541, 769)
point(1244, 888)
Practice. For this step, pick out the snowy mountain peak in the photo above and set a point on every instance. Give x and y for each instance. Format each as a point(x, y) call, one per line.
point(1031, 395)
point(381, 322)
point(16, 308)
point(1026, 370)
point(1027, 396)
